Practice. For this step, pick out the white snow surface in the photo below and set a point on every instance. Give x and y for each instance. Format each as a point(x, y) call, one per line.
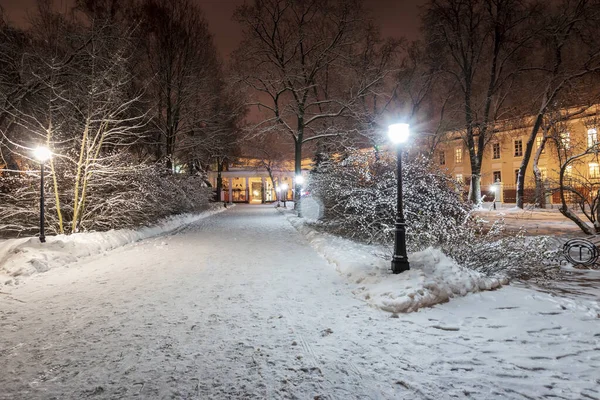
point(26, 256)
point(240, 306)
point(433, 277)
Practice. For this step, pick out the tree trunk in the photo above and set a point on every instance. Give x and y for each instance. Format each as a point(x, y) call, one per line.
point(540, 190)
point(297, 172)
point(219, 179)
point(475, 185)
point(526, 157)
point(565, 210)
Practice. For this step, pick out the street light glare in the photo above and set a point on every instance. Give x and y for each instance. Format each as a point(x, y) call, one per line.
point(299, 179)
point(398, 133)
point(42, 154)
point(284, 186)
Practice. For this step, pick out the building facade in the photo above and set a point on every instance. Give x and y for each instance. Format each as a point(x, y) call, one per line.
point(250, 180)
point(504, 154)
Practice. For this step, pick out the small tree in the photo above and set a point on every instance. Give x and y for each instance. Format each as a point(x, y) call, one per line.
point(577, 190)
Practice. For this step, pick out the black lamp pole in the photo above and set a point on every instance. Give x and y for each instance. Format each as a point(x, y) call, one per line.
point(400, 259)
point(42, 235)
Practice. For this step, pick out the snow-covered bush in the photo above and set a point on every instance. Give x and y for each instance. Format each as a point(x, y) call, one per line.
point(358, 196)
point(359, 199)
point(121, 195)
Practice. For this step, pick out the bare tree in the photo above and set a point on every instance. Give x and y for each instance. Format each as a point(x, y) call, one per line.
point(83, 107)
point(184, 71)
point(296, 56)
point(478, 42)
point(567, 50)
point(577, 190)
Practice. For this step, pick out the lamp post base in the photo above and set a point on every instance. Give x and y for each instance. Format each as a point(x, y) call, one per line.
point(400, 265)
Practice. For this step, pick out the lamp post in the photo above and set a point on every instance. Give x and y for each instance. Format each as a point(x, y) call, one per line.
point(284, 188)
point(398, 134)
point(494, 191)
point(42, 154)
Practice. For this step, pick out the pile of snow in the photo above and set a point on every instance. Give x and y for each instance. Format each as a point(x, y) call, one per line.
point(27, 256)
point(433, 278)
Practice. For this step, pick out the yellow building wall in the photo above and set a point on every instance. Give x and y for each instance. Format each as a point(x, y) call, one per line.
point(509, 162)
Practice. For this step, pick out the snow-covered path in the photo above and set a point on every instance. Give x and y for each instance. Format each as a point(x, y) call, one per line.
point(239, 306)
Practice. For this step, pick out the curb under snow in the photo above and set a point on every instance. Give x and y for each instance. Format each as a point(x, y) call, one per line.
point(433, 278)
point(27, 256)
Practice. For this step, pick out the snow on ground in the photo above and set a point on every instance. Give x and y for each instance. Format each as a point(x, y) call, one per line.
point(26, 256)
point(433, 278)
point(535, 221)
point(240, 306)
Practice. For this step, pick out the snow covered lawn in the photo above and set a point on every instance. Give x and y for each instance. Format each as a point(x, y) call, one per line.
point(534, 221)
point(239, 306)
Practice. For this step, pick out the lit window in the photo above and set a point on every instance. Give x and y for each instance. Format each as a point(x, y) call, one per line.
point(565, 140)
point(442, 158)
point(496, 150)
point(594, 170)
point(459, 178)
point(543, 173)
point(592, 137)
point(569, 172)
point(538, 142)
point(497, 176)
point(518, 148)
point(458, 155)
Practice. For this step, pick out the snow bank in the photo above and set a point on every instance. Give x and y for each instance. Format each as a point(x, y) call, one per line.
point(433, 278)
point(27, 256)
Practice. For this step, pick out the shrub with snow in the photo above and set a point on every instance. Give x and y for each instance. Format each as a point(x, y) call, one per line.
point(121, 194)
point(358, 196)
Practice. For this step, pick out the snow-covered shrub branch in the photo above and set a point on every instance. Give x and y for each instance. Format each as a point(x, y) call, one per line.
point(358, 194)
point(122, 195)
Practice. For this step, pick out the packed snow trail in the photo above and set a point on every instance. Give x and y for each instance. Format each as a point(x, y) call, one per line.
point(239, 306)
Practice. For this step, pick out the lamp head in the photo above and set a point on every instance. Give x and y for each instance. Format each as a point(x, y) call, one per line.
point(299, 179)
point(42, 154)
point(284, 186)
point(398, 133)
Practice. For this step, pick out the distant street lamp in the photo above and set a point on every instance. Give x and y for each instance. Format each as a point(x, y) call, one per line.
point(493, 189)
point(42, 154)
point(284, 188)
point(398, 134)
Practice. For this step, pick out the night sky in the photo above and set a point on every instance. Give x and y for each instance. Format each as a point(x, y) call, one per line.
point(396, 17)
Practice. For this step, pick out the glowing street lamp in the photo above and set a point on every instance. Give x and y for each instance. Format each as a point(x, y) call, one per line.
point(42, 154)
point(493, 189)
point(398, 134)
point(284, 188)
